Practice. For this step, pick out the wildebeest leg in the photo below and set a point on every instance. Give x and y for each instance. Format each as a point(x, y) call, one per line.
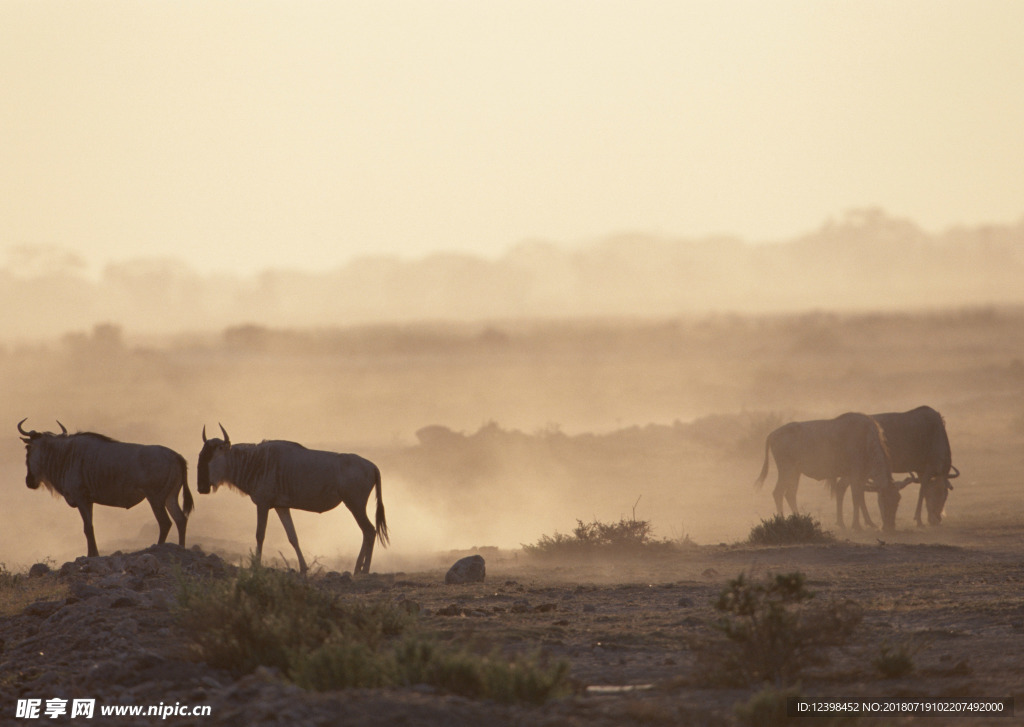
point(286, 519)
point(860, 506)
point(838, 488)
point(365, 552)
point(261, 530)
point(90, 538)
point(161, 517)
point(180, 519)
point(785, 487)
point(920, 501)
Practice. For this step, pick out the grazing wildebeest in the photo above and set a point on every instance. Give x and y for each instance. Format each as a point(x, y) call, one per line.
point(918, 445)
point(283, 475)
point(849, 448)
point(88, 468)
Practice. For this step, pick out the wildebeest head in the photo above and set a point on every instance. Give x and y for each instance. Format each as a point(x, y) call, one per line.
point(209, 472)
point(888, 501)
point(935, 492)
point(37, 454)
point(881, 476)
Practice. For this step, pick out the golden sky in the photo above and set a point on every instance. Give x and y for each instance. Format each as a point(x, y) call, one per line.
point(245, 135)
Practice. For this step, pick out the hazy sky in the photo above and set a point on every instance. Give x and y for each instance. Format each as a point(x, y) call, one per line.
point(243, 135)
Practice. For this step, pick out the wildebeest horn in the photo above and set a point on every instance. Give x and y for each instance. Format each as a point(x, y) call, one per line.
point(227, 439)
point(907, 481)
point(949, 477)
point(204, 434)
point(63, 429)
point(27, 434)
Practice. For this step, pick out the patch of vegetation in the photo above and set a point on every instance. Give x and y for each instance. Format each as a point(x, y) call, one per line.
point(17, 590)
point(792, 530)
point(321, 641)
point(627, 536)
point(521, 679)
point(771, 632)
point(269, 617)
point(8, 579)
point(896, 660)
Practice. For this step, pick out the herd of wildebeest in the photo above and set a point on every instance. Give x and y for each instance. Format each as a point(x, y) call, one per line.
point(856, 451)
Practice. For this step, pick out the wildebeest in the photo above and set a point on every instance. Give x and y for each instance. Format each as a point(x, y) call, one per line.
point(850, 448)
point(88, 468)
point(918, 445)
point(282, 475)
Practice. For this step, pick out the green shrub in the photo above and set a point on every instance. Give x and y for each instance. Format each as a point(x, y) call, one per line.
point(772, 631)
point(792, 530)
point(340, 663)
point(521, 679)
point(596, 537)
point(318, 640)
point(261, 617)
point(761, 620)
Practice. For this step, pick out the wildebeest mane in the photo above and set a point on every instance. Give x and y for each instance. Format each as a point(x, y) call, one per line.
point(57, 457)
point(95, 435)
point(247, 464)
point(882, 440)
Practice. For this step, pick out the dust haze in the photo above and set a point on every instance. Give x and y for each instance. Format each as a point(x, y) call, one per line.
point(506, 400)
point(866, 260)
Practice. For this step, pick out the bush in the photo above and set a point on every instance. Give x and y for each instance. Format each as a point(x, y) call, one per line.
point(268, 617)
point(895, 661)
point(624, 537)
point(521, 679)
point(771, 632)
point(8, 579)
point(265, 617)
point(792, 530)
point(760, 621)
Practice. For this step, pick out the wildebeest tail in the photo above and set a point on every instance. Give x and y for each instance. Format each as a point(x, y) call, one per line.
point(382, 523)
point(186, 495)
point(764, 469)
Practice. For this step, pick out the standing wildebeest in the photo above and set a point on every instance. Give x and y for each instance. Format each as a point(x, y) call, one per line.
point(283, 475)
point(850, 448)
point(918, 445)
point(88, 468)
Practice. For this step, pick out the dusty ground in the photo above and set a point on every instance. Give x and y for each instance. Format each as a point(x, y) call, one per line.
point(104, 628)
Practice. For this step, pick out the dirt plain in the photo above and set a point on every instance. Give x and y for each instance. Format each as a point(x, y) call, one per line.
point(663, 420)
point(630, 628)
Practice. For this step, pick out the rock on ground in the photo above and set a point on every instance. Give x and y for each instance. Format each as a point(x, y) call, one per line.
point(470, 569)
